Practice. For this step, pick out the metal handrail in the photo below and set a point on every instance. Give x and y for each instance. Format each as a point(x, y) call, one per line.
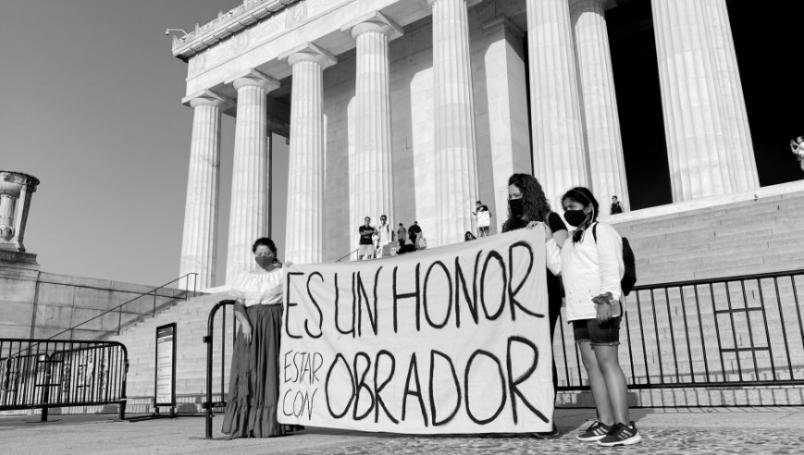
point(683, 283)
point(151, 292)
point(347, 255)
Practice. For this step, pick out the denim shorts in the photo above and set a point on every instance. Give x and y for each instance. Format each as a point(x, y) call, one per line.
point(596, 332)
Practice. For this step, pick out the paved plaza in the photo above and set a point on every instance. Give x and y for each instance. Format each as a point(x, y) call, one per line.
point(676, 431)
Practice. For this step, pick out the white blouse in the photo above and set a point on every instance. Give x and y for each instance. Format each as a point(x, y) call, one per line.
point(588, 268)
point(258, 287)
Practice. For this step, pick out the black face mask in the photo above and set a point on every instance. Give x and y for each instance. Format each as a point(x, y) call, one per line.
point(264, 261)
point(575, 217)
point(516, 207)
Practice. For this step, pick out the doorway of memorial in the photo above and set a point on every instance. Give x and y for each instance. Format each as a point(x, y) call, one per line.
point(767, 39)
point(639, 101)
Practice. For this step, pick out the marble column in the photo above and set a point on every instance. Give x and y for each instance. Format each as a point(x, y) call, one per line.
point(454, 123)
point(304, 229)
point(509, 138)
point(199, 238)
point(601, 120)
point(735, 118)
point(249, 212)
point(371, 168)
point(697, 144)
point(559, 157)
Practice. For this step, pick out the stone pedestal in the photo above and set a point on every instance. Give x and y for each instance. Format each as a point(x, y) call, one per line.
point(454, 122)
point(304, 231)
point(559, 158)
point(250, 208)
point(199, 240)
point(370, 170)
point(697, 143)
point(601, 120)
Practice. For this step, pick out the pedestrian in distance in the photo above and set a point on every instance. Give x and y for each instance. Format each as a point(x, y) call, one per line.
point(401, 235)
point(483, 217)
point(365, 249)
point(413, 232)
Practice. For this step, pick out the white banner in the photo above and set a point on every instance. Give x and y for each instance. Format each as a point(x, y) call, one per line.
point(447, 340)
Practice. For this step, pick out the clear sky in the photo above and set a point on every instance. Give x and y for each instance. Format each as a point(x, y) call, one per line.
point(91, 106)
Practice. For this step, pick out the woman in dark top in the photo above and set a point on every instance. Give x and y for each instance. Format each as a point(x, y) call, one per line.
point(526, 204)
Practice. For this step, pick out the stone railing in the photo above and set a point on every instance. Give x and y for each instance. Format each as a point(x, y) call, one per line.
point(226, 24)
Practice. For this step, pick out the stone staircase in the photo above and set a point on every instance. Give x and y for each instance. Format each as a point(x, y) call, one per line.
point(743, 236)
point(191, 318)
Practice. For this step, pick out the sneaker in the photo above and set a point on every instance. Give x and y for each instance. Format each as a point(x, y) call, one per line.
point(621, 435)
point(597, 431)
point(552, 434)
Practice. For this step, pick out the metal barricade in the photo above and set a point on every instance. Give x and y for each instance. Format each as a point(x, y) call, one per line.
point(738, 331)
point(44, 374)
point(209, 339)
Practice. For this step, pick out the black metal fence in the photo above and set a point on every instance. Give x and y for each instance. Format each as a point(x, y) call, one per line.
point(44, 374)
point(739, 331)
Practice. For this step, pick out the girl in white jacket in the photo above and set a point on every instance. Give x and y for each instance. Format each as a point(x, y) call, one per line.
point(591, 267)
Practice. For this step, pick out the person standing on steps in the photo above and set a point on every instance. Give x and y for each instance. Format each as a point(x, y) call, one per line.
point(615, 206)
point(385, 237)
point(365, 249)
point(401, 236)
point(414, 231)
point(483, 217)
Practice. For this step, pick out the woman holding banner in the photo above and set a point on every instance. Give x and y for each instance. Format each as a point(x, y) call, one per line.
point(527, 204)
point(591, 267)
point(254, 378)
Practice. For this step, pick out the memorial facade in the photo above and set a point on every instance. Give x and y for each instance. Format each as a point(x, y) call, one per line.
point(418, 108)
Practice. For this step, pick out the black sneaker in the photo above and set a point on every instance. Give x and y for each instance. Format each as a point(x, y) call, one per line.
point(552, 434)
point(596, 431)
point(621, 435)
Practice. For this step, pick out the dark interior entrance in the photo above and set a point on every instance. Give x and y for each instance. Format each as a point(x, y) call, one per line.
point(767, 41)
point(768, 38)
point(639, 101)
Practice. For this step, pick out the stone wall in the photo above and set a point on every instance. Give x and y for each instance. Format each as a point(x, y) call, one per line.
point(36, 304)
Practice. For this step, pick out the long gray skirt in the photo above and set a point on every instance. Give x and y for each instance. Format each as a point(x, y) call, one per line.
point(254, 378)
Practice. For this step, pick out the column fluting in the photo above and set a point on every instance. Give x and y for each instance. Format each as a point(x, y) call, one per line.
point(454, 123)
point(199, 237)
point(601, 120)
point(559, 157)
point(732, 101)
point(304, 229)
point(249, 212)
point(371, 167)
point(697, 146)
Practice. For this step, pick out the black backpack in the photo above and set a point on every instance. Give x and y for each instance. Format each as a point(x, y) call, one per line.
point(629, 260)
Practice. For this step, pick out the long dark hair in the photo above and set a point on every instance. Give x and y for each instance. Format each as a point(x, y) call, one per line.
point(534, 204)
point(583, 196)
point(264, 241)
